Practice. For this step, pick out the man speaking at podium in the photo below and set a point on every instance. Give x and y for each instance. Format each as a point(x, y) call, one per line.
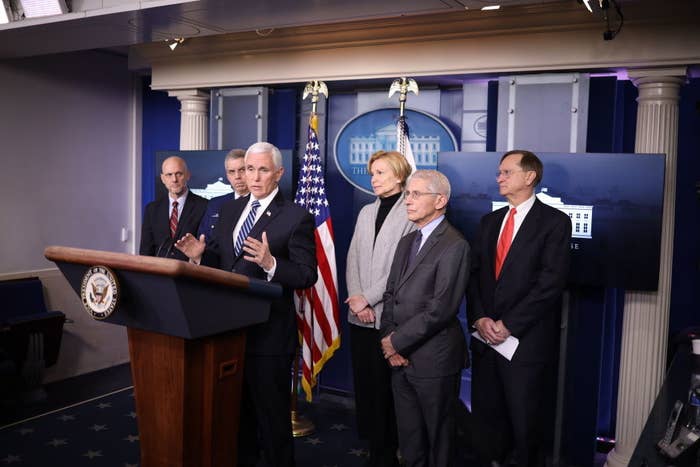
point(269, 238)
point(169, 218)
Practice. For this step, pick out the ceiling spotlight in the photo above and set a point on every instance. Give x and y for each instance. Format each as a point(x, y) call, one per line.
point(587, 4)
point(175, 42)
point(609, 34)
point(491, 7)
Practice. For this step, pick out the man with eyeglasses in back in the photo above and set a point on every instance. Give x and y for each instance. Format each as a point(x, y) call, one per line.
point(422, 339)
point(520, 262)
point(172, 216)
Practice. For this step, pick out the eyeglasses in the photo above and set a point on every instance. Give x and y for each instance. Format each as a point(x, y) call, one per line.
point(508, 173)
point(418, 194)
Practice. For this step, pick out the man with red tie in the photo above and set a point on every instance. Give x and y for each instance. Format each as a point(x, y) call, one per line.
point(170, 217)
point(520, 262)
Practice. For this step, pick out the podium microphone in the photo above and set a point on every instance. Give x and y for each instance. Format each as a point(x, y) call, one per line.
point(168, 245)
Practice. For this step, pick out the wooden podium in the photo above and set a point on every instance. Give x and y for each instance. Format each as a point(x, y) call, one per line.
point(186, 327)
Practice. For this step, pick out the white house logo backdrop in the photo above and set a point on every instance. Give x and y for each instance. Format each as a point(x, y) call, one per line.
point(375, 130)
point(99, 291)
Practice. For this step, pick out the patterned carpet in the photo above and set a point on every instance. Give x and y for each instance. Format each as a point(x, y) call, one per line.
point(102, 432)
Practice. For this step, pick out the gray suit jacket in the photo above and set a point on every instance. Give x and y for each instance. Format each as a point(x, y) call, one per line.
point(368, 261)
point(421, 303)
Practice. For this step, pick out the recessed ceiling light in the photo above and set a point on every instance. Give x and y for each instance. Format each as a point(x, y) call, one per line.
point(491, 7)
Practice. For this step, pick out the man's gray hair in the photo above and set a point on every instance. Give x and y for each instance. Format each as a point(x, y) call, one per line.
point(264, 147)
point(437, 182)
point(234, 154)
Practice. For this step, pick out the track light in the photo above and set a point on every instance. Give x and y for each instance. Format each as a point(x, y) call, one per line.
point(175, 42)
point(609, 34)
point(604, 6)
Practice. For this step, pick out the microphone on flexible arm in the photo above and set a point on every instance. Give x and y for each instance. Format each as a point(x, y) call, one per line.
point(168, 245)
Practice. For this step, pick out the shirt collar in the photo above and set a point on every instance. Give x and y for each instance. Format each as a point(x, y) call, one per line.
point(181, 200)
point(428, 228)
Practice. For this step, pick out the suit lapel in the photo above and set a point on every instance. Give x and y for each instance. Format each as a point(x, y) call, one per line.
point(494, 229)
point(186, 212)
point(425, 249)
point(525, 232)
point(162, 221)
point(272, 211)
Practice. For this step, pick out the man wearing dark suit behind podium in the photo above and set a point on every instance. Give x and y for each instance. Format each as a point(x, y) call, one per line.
point(279, 247)
point(163, 222)
point(519, 271)
point(234, 165)
point(424, 342)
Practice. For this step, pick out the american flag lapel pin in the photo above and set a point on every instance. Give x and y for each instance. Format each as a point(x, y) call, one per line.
point(268, 213)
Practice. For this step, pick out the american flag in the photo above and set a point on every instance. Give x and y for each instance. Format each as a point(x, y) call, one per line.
point(403, 144)
point(317, 307)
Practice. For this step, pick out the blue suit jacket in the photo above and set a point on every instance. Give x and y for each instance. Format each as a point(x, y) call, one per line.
point(211, 217)
point(290, 234)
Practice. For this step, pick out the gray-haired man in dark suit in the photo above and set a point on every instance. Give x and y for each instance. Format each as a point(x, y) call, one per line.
point(423, 340)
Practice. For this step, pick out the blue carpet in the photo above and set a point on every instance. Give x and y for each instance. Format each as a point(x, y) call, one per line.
point(103, 432)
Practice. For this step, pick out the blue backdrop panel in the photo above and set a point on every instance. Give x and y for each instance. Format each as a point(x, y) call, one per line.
point(161, 131)
point(622, 194)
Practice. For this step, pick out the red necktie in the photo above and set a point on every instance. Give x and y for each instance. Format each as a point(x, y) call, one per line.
point(173, 220)
point(504, 241)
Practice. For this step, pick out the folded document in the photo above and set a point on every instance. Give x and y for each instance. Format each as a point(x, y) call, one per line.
point(506, 348)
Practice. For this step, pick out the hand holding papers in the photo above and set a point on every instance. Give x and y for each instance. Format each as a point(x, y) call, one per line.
point(507, 348)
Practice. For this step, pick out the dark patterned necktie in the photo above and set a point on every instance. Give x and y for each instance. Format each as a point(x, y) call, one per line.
point(245, 228)
point(173, 220)
point(415, 246)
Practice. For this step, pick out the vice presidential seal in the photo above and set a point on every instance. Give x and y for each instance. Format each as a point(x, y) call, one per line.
point(99, 291)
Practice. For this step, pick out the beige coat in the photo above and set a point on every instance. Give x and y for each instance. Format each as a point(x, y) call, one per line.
point(368, 261)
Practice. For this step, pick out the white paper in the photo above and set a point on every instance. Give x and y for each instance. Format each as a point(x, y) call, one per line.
point(506, 348)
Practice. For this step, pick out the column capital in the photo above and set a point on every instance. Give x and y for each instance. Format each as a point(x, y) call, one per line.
point(670, 75)
point(194, 118)
point(189, 94)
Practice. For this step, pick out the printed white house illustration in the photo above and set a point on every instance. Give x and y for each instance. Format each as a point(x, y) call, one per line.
point(581, 216)
point(218, 188)
point(425, 148)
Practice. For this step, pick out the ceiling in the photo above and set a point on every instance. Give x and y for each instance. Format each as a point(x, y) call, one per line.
point(117, 24)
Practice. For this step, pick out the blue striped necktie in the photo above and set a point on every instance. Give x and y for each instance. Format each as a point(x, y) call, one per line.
point(245, 228)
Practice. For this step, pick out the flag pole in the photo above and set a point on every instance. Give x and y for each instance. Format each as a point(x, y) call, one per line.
point(302, 426)
point(403, 86)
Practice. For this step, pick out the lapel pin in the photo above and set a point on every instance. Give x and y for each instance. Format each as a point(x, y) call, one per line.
point(268, 213)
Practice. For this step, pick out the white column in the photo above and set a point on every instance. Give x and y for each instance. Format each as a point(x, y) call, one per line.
point(645, 320)
point(194, 118)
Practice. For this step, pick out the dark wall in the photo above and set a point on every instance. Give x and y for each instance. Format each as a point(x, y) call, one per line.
point(160, 132)
point(685, 290)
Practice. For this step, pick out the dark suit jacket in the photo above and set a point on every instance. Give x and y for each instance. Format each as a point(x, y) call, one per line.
point(290, 234)
point(527, 294)
point(422, 302)
point(155, 230)
point(211, 217)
